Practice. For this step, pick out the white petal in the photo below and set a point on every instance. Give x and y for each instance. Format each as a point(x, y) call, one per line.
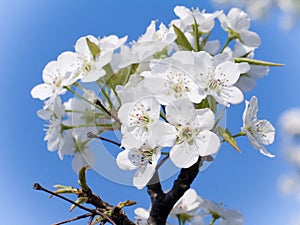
point(181, 112)
point(130, 140)
point(207, 143)
point(143, 176)
point(93, 75)
point(233, 95)
point(161, 134)
point(246, 83)
point(123, 160)
point(184, 155)
point(250, 38)
point(228, 71)
point(205, 119)
point(243, 67)
point(42, 91)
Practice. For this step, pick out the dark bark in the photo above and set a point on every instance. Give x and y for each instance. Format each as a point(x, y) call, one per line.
point(162, 203)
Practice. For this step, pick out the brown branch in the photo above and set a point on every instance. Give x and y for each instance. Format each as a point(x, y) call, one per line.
point(116, 215)
point(162, 203)
point(74, 219)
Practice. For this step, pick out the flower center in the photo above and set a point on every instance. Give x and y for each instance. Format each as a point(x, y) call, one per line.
point(214, 84)
point(177, 83)
point(140, 116)
point(186, 134)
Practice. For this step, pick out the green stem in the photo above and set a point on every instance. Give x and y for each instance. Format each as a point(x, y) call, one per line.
point(213, 219)
point(81, 97)
point(65, 127)
point(239, 134)
point(226, 43)
point(162, 115)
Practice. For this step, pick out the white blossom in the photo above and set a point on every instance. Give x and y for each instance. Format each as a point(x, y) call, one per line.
point(227, 217)
point(144, 159)
point(55, 77)
point(259, 132)
point(54, 114)
point(188, 17)
point(215, 76)
point(194, 137)
point(189, 203)
point(237, 23)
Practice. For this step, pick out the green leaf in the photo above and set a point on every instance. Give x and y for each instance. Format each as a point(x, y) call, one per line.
point(196, 35)
point(256, 62)
point(94, 49)
point(228, 138)
point(82, 178)
point(122, 77)
point(212, 103)
point(202, 105)
point(181, 40)
point(79, 201)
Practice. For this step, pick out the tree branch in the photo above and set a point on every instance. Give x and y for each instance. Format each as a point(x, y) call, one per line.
point(162, 203)
point(111, 214)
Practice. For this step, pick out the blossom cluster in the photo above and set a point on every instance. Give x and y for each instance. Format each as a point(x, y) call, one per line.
point(165, 92)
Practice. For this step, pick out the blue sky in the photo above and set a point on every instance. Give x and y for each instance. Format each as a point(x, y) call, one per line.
point(35, 32)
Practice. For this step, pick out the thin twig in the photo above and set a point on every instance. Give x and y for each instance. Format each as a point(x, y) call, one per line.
point(112, 115)
point(74, 219)
point(38, 187)
point(92, 135)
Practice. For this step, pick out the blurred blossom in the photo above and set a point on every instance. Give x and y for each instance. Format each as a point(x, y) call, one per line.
point(290, 121)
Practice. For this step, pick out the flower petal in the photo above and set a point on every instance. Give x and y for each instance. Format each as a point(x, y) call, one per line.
point(184, 155)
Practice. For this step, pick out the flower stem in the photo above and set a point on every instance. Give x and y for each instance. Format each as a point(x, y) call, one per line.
point(81, 97)
point(226, 44)
point(91, 135)
point(213, 219)
point(239, 134)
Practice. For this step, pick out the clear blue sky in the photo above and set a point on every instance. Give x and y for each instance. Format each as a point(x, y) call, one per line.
point(35, 32)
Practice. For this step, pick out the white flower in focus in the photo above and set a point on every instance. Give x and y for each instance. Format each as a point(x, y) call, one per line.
point(194, 137)
point(290, 121)
point(144, 159)
point(53, 113)
point(237, 23)
point(84, 65)
point(189, 203)
point(55, 76)
point(216, 77)
point(227, 217)
point(259, 132)
point(169, 79)
point(205, 21)
point(141, 216)
point(136, 117)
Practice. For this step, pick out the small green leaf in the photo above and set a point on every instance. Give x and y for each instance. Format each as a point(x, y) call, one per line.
point(256, 62)
point(212, 103)
point(228, 138)
point(79, 201)
point(202, 105)
point(82, 178)
point(122, 77)
point(61, 189)
point(94, 49)
point(181, 40)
